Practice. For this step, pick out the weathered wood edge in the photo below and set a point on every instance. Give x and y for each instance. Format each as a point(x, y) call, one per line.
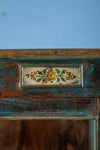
point(34, 109)
point(29, 117)
point(49, 54)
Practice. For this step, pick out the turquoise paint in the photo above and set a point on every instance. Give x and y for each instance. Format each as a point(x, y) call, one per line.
point(77, 91)
point(9, 107)
point(94, 134)
point(31, 106)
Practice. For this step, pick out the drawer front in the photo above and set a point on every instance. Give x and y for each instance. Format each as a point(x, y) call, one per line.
point(49, 78)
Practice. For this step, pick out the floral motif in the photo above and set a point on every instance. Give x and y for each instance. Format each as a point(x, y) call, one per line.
point(32, 75)
point(51, 75)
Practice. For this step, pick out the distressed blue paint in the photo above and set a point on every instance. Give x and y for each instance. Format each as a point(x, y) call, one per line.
point(24, 107)
point(50, 108)
point(86, 91)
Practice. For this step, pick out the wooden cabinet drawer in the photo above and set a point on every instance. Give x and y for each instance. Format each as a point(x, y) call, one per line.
point(44, 80)
point(81, 76)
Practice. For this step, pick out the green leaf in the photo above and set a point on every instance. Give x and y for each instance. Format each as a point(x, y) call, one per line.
point(58, 80)
point(51, 81)
point(63, 79)
point(38, 80)
point(28, 75)
point(39, 72)
point(63, 71)
point(58, 71)
point(74, 76)
point(44, 71)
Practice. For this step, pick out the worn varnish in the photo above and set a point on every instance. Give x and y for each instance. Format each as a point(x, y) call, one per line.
point(50, 53)
point(41, 108)
point(18, 102)
point(44, 135)
point(12, 92)
point(10, 80)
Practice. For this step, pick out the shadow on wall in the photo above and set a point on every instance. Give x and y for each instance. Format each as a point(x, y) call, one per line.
point(44, 135)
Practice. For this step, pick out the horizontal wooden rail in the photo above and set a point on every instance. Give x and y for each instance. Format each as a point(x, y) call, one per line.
point(50, 53)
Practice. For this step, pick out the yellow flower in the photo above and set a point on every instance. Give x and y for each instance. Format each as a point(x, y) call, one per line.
point(35, 72)
point(32, 75)
point(51, 76)
point(69, 75)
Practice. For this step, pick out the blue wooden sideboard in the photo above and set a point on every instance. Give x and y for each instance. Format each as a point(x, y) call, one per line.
point(50, 83)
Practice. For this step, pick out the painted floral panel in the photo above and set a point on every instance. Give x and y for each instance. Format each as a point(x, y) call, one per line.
point(50, 76)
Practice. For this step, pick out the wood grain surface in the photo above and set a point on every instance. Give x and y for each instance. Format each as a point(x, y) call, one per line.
point(50, 53)
point(29, 102)
point(44, 135)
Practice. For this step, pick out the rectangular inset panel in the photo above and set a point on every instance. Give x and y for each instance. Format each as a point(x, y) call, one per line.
point(37, 76)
